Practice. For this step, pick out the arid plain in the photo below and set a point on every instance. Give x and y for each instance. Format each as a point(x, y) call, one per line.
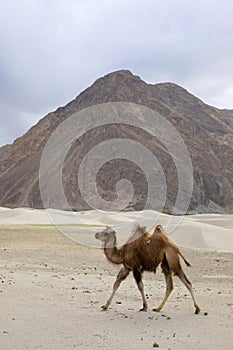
point(52, 287)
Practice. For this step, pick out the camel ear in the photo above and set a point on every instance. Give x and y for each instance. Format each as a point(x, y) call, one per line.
point(159, 228)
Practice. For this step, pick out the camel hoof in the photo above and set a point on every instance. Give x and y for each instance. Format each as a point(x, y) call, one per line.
point(156, 310)
point(104, 307)
point(197, 311)
point(143, 309)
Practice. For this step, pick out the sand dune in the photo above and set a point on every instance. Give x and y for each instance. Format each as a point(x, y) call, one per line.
point(203, 231)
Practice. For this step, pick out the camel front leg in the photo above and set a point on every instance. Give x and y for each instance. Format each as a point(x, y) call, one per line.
point(138, 278)
point(122, 275)
point(169, 284)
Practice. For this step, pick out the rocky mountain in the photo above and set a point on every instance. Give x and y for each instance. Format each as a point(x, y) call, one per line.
point(206, 131)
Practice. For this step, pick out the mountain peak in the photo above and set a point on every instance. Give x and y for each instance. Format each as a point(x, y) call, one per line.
point(206, 131)
point(122, 72)
point(119, 75)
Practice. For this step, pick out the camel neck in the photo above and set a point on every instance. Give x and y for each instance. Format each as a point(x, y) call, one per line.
point(112, 253)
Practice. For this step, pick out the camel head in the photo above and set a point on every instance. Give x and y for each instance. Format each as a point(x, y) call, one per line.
point(106, 234)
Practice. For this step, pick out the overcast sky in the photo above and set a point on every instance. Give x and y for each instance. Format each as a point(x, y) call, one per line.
point(51, 50)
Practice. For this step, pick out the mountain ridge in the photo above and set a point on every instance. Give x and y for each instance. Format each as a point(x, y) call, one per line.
point(206, 130)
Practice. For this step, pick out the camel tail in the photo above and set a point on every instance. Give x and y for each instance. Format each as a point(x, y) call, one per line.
point(182, 256)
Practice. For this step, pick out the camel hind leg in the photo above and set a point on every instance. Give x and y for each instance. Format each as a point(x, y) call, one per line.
point(173, 261)
point(188, 285)
point(122, 275)
point(169, 283)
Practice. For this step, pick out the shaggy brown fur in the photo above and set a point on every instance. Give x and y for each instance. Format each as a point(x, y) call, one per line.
point(144, 252)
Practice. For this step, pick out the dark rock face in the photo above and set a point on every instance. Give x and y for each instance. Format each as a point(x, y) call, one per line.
point(206, 131)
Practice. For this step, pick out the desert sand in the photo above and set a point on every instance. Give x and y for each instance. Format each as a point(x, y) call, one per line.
point(54, 278)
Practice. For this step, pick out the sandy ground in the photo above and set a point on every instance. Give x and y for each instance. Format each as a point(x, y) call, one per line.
point(52, 289)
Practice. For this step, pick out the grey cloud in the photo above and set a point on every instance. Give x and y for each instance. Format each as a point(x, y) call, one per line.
point(52, 50)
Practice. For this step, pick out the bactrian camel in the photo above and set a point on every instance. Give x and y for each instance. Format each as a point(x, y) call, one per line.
point(144, 252)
